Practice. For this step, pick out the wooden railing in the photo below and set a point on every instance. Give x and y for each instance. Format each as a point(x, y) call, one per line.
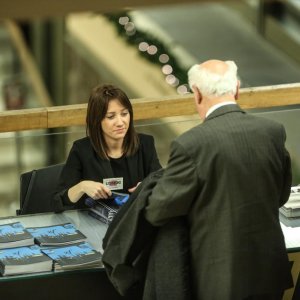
point(30, 9)
point(144, 109)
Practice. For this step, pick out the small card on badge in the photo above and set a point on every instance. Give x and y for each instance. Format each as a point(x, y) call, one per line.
point(114, 183)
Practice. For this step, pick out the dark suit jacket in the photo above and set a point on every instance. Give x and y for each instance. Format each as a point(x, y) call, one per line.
point(83, 163)
point(229, 175)
point(138, 256)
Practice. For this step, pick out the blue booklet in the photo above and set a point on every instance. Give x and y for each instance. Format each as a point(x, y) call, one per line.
point(14, 235)
point(22, 260)
point(120, 198)
point(53, 235)
point(76, 256)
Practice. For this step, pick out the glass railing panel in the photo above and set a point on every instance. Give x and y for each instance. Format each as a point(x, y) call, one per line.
point(165, 130)
point(17, 154)
point(28, 150)
point(289, 117)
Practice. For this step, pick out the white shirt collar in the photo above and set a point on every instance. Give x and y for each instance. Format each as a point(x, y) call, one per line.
point(216, 106)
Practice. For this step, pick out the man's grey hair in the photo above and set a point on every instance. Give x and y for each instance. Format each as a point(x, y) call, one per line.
point(212, 84)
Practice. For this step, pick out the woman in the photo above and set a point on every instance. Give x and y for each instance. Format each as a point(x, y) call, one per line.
point(111, 157)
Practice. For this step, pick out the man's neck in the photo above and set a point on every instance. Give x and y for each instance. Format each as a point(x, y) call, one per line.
point(218, 102)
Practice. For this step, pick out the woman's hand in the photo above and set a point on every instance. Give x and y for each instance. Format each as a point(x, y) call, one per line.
point(131, 190)
point(93, 189)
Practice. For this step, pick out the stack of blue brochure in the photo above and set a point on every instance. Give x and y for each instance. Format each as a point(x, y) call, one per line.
point(55, 235)
point(44, 249)
point(75, 256)
point(14, 235)
point(27, 259)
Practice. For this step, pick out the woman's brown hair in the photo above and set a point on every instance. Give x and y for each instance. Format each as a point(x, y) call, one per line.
point(96, 112)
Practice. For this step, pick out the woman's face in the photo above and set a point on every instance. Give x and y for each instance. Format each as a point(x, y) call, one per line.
point(116, 121)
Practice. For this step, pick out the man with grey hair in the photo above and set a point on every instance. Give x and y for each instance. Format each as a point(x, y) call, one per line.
point(228, 176)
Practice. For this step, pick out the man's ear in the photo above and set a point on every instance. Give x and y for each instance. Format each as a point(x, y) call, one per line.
point(197, 95)
point(236, 96)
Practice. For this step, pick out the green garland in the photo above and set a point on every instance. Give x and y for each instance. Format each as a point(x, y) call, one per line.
point(139, 36)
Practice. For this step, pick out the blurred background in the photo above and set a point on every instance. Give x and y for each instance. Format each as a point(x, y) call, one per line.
point(55, 56)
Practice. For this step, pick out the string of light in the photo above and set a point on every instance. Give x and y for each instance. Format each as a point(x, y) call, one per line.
point(152, 49)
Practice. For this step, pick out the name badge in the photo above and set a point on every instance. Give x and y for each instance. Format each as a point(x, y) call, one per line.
point(114, 183)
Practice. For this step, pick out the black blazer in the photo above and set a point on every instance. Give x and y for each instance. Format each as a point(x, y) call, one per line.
point(83, 163)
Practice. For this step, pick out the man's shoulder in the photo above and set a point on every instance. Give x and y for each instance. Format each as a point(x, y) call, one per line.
point(191, 136)
point(192, 131)
point(265, 122)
